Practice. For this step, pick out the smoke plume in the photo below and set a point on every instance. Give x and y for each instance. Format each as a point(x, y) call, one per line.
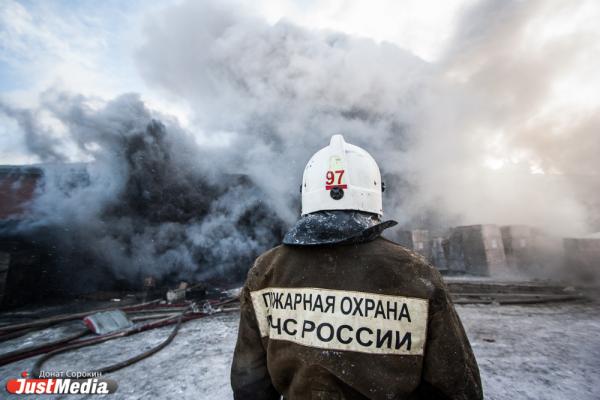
point(150, 203)
point(281, 91)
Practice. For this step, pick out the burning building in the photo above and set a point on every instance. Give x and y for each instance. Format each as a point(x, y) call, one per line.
point(142, 212)
point(23, 262)
point(40, 256)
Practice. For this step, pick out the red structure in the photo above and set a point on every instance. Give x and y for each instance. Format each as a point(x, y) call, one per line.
point(18, 186)
point(21, 261)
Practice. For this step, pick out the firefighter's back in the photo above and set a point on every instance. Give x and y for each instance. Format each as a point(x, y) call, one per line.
point(345, 321)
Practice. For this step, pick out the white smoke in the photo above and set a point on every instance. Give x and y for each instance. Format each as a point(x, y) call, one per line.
point(283, 90)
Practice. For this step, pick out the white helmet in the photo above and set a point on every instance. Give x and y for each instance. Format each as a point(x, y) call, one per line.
point(341, 176)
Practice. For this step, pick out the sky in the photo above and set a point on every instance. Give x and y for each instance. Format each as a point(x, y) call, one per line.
point(465, 85)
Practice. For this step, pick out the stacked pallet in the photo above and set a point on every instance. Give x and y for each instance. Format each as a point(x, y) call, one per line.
point(495, 292)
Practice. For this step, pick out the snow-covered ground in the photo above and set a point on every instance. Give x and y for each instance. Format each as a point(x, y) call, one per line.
point(536, 352)
point(541, 352)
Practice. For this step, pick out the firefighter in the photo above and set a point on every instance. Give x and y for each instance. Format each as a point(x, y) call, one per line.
point(338, 312)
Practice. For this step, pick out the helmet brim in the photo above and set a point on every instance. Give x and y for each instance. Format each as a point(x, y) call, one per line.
point(336, 227)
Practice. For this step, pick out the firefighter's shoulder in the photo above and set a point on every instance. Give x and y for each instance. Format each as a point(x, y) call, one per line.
point(262, 264)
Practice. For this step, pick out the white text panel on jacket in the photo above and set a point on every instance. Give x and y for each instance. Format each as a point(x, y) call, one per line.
point(342, 320)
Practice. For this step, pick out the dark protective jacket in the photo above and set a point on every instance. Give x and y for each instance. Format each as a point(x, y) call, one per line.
point(362, 321)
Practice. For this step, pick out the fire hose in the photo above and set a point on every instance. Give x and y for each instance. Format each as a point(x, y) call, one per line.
point(68, 341)
point(71, 343)
point(27, 352)
point(35, 370)
point(16, 330)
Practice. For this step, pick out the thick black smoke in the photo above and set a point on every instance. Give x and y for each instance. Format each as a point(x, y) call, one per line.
point(152, 202)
